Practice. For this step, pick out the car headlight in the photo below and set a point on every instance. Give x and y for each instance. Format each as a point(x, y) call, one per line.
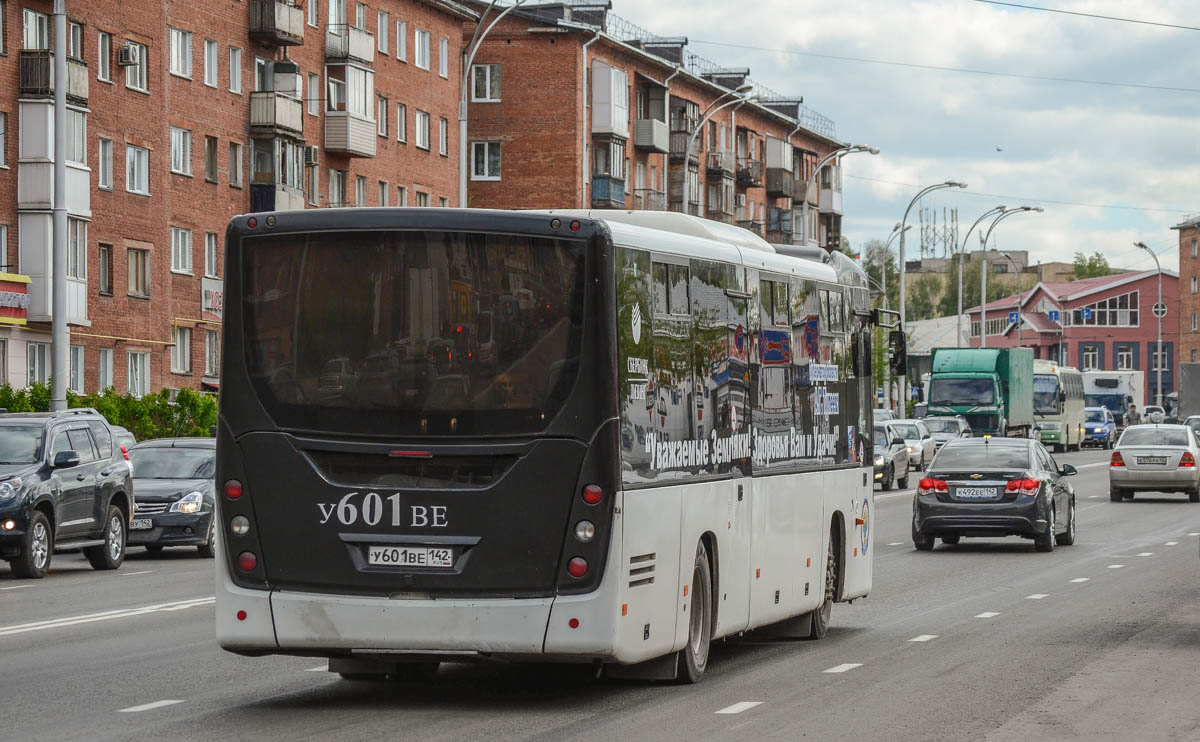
point(189, 503)
point(908, 448)
point(878, 461)
point(1098, 430)
point(10, 488)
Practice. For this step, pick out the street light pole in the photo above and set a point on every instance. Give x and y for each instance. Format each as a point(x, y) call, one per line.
point(887, 256)
point(983, 268)
point(961, 254)
point(1013, 263)
point(708, 113)
point(922, 192)
point(812, 179)
point(1158, 346)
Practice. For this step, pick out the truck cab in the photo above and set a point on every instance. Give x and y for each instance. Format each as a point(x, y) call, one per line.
point(990, 387)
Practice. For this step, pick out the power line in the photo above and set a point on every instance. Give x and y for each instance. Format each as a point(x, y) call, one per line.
point(972, 192)
point(1091, 15)
point(964, 70)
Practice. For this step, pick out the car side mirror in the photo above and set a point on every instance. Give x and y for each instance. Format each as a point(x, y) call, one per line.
point(1067, 471)
point(898, 442)
point(66, 459)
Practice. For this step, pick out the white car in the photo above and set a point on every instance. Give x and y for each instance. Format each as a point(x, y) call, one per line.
point(917, 440)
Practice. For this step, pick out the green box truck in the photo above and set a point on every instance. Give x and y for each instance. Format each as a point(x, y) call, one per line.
point(991, 387)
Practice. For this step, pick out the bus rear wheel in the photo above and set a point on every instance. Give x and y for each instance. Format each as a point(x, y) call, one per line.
point(819, 625)
point(693, 658)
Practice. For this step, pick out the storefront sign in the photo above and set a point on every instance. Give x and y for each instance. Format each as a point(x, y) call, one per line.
point(14, 298)
point(213, 299)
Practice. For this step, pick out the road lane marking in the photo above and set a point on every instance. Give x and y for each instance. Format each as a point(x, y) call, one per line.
point(739, 707)
point(923, 638)
point(1094, 463)
point(845, 667)
point(15, 587)
point(148, 706)
point(1146, 553)
point(894, 543)
point(1115, 566)
point(131, 574)
point(988, 614)
point(1037, 596)
point(58, 623)
point(1194, 534)
point(319, 668)
point(1171, 543)
point(1081, 579)
point(1093, 497)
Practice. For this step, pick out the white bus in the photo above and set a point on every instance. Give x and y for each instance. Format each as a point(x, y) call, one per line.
point(1058, 403)
point(669, 444)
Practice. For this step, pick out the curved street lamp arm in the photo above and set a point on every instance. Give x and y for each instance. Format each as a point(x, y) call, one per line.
point(982, 216)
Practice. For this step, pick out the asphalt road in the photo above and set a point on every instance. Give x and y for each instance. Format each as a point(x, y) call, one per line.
point(987, 640)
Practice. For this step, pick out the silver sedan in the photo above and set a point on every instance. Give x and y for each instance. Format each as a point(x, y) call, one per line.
point(917, 440)
point(1155, 458)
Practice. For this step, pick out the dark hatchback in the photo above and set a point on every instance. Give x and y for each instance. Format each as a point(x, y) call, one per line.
point(174, 478)
point(994, 487)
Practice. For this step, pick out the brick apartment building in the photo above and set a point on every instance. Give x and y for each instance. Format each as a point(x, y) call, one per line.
point(1189, 290)
point(1119, 331)
point(540, 136)
point(180, 115)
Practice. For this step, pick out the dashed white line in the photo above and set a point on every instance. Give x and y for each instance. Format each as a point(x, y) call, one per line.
point(987, 614)
point(148, 706)
point(318, 668)
point(845, 667)
point(1037, 596)
point(58, 623)
point(1194, 534)
point(739, 707)
point(1093, 497)
point(15, 587)
point(1115, 566)
point(1081, 579)
point(1146, 553)
point(131, 574)
point(1171, 543)
point(924, 638)
point(896, 543)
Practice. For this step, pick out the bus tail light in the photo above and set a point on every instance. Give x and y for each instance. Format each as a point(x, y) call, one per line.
point(929, 485)
point(233, 489)
point(585, 530)
point(577, 567)
point(247, 561)
point(239, 525)
point(592, 494)
point(1117, 460)
point(1187, 460)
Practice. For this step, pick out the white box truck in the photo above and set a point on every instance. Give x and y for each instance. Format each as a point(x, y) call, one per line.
point(1115, 390)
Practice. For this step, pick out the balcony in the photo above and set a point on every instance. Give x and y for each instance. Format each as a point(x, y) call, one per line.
point(780, 236)
point(677, 206)
point(721, 162)
point(272, 112)
point(754, 226)
point(649, 199)
point(275, 197)
point(651, 135)
point(780, 183)
point(346, 42)
point(683, 123)
point(37, 76)
point(348, 134)
point(830, 201)
point(749, 172)
point(679, 140)
point(276, 22)
point(608, 192)
point(719, 215)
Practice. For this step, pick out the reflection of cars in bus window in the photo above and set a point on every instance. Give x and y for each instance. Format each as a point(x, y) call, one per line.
point(448, 393)
point(337, 379)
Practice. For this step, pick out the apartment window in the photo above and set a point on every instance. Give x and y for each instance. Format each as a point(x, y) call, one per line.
point(139, 373)
point(181, 250)
point(314, 185)
point(314, 95)
point(235, 70)
point(381, 32)
point(3, 138)
point(401, 122)
point(105, 266)
point(443, 136)
point(137, 170)
point(1159, 358)
point(381, 117)
point(1090, 356)
point(485, 159)
point(422, 199)
point(75, 40)
point(485, 83)
point(337, 12)
point(77, 249)
point(139, 272)
point(402, 41)
point(76, 137)
point(422, 129)
point(313, 10)
point(421, 42)
point(212, 353)
point(210, 63)
point(1194, 254)
point(235, 164)
point(350, 89)
point(337, 187)
point(38, 362)
point(443, 202)
point(181, 151)
point(1195, 353)
point(1193, 284)
point(104, 374)
point(104, 56)
point(135, 74)
point(360, 190)
point(181, 53)
point(210, 159)
point(444, 57)
point(360, 15)
point(76, 360)
point(37, 29)
point(401, 196)
point(3, 245)
point(1193, 321)
point(383, 193)
point(210, 254)
point(262, 74)
point(181, 351)
point(104, 167)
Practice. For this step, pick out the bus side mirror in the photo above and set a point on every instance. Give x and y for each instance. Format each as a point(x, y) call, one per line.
point(898, 346)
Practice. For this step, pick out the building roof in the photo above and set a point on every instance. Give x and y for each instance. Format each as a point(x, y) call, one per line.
point(940, 332)
point(1069, 291)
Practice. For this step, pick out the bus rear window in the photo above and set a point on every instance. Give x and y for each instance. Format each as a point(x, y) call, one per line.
point(403, 332)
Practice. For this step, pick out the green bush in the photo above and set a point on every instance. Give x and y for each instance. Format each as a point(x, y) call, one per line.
point(152, 416)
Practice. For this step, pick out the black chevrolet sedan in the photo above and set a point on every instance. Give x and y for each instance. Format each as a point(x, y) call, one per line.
point(173, 479)
point(994, 487)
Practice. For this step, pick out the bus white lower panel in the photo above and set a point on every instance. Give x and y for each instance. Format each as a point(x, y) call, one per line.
point(256, 631)
point(856, 505)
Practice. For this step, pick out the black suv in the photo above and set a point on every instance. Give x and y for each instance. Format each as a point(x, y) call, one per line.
point(63, 485)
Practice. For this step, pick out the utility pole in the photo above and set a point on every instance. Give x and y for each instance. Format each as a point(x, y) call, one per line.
point(59, 339)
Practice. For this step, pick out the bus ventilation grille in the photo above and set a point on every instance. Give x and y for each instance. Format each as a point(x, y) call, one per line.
point(641, 570)
point(439, 472)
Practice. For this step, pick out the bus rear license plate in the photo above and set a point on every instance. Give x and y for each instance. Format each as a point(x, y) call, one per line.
point(409, 556)
point(141, 524)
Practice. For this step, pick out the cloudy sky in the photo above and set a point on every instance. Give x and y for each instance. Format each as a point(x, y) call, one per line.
point(1013, 140)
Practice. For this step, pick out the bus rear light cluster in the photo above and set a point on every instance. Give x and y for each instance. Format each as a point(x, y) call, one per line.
point(1187, 460)
point(247, 561)
point(592, 494)
point(1025, 486)
point(233, 489)
point(577, 567)
point(239, 525)
point(585, 531)
point(1117, 460)
point(929, 485)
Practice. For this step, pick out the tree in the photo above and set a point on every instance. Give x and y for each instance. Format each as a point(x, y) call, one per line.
point(948, 306)
point(878, 264)
point(923, 297)
point(1091, 266)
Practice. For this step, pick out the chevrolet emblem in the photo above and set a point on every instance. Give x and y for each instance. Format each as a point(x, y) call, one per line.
point(976, 476)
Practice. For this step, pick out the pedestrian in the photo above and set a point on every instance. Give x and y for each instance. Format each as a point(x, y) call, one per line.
point(1133, 417)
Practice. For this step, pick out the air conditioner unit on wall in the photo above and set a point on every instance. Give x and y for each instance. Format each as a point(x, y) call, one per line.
point(127, 55)
point(311, 155)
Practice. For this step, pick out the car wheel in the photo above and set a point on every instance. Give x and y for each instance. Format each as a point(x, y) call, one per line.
point(154, 548)
point(1067, 537)
point(414, 672)
point(36, 550)
point(950, 540)
point(902, 482)
point(923, 541)
point(111, 553)
point(889, 479)
point(1116, 494)
point(1045, 542)
point(208, 549)
point(1194, 495)
point(819, 625)
point(694, 655)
